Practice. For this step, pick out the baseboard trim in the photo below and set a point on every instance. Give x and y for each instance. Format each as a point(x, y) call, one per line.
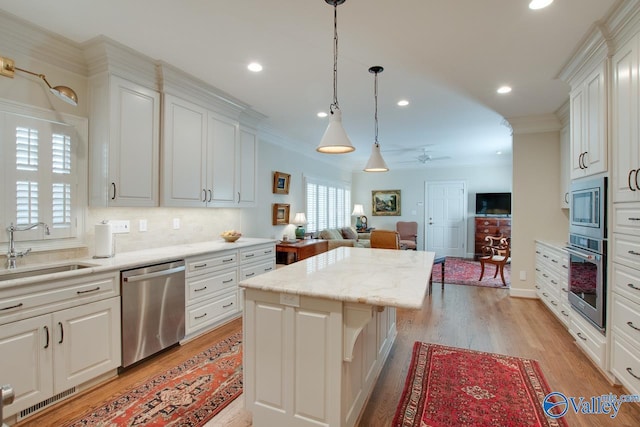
point(523, 293)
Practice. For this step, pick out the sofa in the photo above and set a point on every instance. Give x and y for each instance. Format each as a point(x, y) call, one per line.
point(345, 236)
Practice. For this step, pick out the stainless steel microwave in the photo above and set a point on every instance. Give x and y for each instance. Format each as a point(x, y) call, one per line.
point(588, 208)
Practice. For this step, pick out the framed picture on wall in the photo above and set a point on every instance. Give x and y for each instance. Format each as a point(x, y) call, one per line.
point(280, 214)
point(385, 202)
point(281, 183)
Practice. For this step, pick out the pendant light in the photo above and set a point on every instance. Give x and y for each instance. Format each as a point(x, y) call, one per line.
point(335, 139)
point(376, 163)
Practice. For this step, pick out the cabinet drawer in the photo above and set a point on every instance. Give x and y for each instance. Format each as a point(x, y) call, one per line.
point(254, 270)
point(626, 250)
point(26, 301)
point(626, 364)
point(626, 218)
point(626, 318)
point(626, 281)
point(211, 262)
point(259, 252)
point(210, 312)
point(207, 285)
point(588, 338)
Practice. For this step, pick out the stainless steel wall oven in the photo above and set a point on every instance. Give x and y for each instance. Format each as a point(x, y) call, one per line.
point(588, 249)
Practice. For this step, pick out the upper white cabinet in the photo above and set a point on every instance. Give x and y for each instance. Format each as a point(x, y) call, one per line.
point(626, 153)
point(184, 154)
point(124, 138)
point(588, 135)
point(208, 158)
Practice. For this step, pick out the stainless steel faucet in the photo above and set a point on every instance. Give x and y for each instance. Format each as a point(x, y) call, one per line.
point(12, 255)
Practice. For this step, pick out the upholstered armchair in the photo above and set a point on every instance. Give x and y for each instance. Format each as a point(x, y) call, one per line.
point(385, 239)
point(408, 234)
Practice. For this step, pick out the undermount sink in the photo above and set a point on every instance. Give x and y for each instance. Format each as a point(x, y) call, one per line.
point(11, 275)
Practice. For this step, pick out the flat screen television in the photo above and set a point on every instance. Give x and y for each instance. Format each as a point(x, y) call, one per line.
point(493, 203)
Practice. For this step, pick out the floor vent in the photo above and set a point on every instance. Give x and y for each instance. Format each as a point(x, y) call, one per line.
point(41, 405)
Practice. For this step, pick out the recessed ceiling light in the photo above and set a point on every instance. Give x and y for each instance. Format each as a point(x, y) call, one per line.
point(504, 89)
point(255, 67)
point(322, 114)
point(403, 103)
point(539, 4)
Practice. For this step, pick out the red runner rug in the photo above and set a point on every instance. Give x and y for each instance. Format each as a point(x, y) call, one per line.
point(448, 386)
point(188, 395)
point(462, 271)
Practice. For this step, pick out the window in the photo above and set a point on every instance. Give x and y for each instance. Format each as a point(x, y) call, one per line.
point(44, 174)
point(327, 204)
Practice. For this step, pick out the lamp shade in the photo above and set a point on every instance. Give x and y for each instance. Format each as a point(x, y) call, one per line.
point(300, 219)
point(376, 163)
point(335, 139)
point(358, 210)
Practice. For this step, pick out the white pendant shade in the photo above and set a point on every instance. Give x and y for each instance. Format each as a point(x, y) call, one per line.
point(376, 163)
point(335, 139)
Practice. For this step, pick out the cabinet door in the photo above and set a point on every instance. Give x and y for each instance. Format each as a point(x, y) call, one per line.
point(247, 165)
point(222, 159)
point(27, 357)
point(625, 122)
point(576, 133)
point(134, 144)
point(86, 341)
point(184, 162)
point(595, 140)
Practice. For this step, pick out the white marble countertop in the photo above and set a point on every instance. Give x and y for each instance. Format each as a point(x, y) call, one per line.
point(127, 260)
point(381, 277)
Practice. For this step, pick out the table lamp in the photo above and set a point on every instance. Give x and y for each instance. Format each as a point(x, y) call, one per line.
point(358, 211)
point(300, 220)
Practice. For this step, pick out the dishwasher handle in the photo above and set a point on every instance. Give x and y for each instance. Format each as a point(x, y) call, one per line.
point(160, 273)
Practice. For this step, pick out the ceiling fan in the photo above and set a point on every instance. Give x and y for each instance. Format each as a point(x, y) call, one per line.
point(425, 158)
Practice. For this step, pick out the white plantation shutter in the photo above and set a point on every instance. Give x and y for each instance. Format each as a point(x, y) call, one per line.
point(327, 205)
point(26, 202)
point(43, 181)
point(26, 149)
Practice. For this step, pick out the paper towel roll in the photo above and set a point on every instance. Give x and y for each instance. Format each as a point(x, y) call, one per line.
point(104, 241)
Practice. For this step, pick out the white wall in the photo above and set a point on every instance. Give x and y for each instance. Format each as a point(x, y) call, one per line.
point(412, 185)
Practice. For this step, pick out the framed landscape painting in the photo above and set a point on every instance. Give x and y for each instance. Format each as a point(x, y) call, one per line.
point(385, 202)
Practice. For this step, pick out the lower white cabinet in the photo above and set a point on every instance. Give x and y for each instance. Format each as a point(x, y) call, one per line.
point(552, 274)
point(589, 339)
point(50, 354)
point(213, 296)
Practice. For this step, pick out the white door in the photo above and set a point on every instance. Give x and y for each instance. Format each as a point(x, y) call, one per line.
point(446, 218)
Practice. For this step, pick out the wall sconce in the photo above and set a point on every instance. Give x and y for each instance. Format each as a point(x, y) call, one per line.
point(8, 69)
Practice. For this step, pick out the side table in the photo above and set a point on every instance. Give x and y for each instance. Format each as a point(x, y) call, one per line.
point(290, 252)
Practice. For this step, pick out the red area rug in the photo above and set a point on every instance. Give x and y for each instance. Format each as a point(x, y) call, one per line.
point(448, 386)
point(462, 271)
point(188, 395)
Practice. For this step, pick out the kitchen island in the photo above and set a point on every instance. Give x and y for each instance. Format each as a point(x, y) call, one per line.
point(317, 332)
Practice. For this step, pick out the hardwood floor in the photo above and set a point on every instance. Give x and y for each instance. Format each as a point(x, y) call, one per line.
point(483, 319)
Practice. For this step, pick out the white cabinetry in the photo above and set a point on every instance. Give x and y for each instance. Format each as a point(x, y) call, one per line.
point(552, 272)
point(565, 162)
point(208, 158)
point(626, 153)
point(588, 105)
point(124, 139)
point(58, 335)
point(184, 154)
point(212, 290)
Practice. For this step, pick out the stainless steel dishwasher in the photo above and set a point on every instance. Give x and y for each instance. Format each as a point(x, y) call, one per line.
point(153, 309)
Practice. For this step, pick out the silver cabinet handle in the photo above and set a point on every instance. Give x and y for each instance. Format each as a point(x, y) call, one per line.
point(632, 326)
point(633, 253)
point(200, 317)
point(228, 305)
point(581, 337)
point(200, 289)
point(113, 185)
point(61, 332)
point(46, 330)
point(632, 374)
point(633, 287)
point(204, 195)
point(200, 265)
point(97, 288)
point(210, 196)
point(227, 281)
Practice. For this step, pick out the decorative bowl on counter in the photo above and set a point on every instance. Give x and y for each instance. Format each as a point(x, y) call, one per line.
point(228, 237)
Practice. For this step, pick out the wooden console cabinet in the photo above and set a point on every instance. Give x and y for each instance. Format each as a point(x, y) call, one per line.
point(290, 252)
point(490, 226)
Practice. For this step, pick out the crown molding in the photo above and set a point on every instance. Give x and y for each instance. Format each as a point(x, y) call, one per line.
point(535, 124)
point(563, 113)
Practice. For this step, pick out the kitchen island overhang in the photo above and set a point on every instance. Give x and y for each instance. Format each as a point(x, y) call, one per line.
point(317, 332)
